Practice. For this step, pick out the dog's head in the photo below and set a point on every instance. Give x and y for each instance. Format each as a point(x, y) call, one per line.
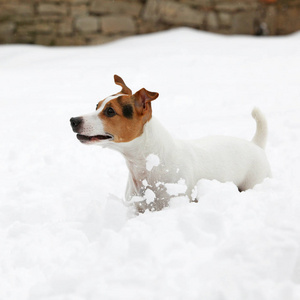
point(118, 118)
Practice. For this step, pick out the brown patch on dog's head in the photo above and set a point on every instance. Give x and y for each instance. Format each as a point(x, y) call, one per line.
point(125, 115)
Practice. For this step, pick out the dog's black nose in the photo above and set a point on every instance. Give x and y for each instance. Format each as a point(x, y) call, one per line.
point(75, 123)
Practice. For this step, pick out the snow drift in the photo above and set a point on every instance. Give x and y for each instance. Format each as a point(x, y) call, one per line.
point(64, 233)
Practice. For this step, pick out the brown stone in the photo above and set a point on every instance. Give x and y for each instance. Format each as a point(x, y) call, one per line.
point(225, 19)
point(45, 40)
point(289, 20)
point(36, 28)
point(236, 5)
point(7, 28)
point(173, 13)
point(116, 7)
point(66, 26)
point(87, 24)
point(49, 8)
point(77, 1)
point(212, 21)
point(150, 26)
point(198, 2)
point(79, 10)
point(23, 38)
point(70, 41)
point(271, 20)
point(103, 39)
point(10, 9)
point(243, 23)
point(117, 24)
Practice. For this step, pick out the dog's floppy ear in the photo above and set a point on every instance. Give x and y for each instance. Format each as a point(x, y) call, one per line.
point(142, 97)
point(120, 81)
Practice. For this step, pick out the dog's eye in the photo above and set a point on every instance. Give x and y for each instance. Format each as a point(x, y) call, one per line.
point(96, 106)
point(110, 112)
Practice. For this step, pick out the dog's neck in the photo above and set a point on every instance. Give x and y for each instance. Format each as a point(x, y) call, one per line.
point(156, 141)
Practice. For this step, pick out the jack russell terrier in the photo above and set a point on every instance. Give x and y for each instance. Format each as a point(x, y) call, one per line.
point(161, 167)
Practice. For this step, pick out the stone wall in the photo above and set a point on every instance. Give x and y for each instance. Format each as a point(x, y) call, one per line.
point(82, 22)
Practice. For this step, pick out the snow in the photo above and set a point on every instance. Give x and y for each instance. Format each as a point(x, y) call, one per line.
point(152, 160)
point(64, 231)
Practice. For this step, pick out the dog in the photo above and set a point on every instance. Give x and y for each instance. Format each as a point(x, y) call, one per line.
point(161, 167)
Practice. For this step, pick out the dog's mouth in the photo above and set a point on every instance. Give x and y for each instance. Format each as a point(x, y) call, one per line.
point(94, 138)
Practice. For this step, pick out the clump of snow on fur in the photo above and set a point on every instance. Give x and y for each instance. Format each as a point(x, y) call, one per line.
point(152, 161)
point(149, 196)
point(174, 189)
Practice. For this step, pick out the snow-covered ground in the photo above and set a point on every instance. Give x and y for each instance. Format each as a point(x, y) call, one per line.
point(64, 233)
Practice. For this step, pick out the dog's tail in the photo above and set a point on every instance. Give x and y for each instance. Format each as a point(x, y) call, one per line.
point(260, 137)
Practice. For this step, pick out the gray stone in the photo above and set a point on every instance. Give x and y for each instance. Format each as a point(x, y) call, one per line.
point(116, 7)
point(87, 24)
point(117, 24)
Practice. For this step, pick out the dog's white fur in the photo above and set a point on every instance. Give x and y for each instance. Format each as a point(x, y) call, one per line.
point(183, 162)
point(218, 157)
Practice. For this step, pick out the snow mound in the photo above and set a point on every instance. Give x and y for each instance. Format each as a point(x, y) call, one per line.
point(64, 230)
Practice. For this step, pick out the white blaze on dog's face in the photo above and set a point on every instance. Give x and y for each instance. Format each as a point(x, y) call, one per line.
point(118, 118)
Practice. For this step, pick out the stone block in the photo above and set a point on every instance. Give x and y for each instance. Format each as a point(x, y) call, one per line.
point(151, 11)
point(79, 10)
point(7, 28)
point(55, 9)
point(212, 21)
point(103, 39)
point(12, 9)
point(244, 23)
point(77, 1)
point(271, 20)
point(23, 38)
point(150, 26)
point(66, 26)
point(225, 19)
point(173, 13)
point(118, 24)
point(70, 41)
point(289, 20)
point(202, 3)
point(36, 28)
point(45, 40)
point(236, 5)
point(87, 24)
point(116, 7)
